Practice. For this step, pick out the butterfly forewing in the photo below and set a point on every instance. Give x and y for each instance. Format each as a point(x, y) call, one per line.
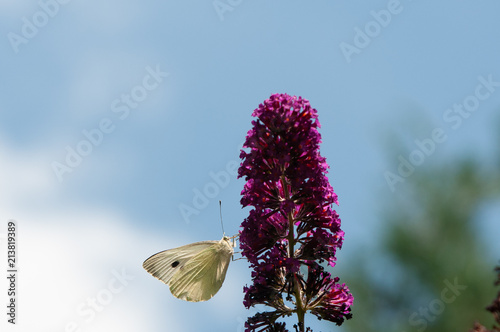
point(194, 272)
point(202, 276)
point(165, 264)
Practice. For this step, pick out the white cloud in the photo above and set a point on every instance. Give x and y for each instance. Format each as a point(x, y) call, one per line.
point(78, 268)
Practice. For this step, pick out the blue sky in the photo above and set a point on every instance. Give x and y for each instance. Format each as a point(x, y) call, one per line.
point(165, 91)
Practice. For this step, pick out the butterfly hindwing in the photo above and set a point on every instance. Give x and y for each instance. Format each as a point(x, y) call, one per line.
point(202, 276)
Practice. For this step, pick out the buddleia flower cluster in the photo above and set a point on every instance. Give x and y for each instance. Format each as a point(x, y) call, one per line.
point(291, 231)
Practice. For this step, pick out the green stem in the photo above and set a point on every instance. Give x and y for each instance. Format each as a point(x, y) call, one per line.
point(291, 250)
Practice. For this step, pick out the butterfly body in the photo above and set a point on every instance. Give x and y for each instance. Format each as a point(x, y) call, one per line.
point(194, 272)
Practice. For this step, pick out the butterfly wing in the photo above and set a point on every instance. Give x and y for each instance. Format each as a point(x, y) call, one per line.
point(165, 264)
point(201, 277)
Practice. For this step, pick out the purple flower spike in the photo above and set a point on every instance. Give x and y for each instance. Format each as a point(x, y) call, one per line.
point(292, 228)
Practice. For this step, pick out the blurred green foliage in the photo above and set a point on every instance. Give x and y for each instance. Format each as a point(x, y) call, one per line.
point(431, 271)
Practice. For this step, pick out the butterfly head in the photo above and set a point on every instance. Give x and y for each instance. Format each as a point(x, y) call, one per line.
point(228, 240)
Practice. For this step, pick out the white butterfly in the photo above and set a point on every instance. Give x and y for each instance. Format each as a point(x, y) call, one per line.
point(194, 272)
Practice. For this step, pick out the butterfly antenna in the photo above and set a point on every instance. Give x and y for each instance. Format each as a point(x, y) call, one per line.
point(220, 213)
